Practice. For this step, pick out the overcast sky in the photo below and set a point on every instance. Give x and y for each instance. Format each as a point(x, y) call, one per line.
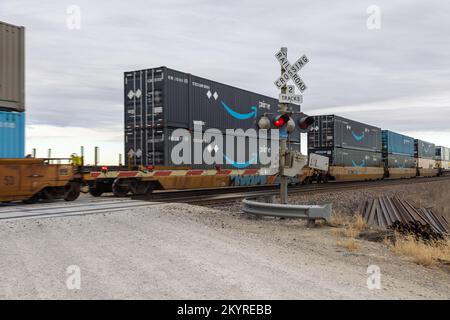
point(396, 77)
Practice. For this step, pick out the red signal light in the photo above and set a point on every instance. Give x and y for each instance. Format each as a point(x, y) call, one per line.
point(104, 168)
point(279, 122)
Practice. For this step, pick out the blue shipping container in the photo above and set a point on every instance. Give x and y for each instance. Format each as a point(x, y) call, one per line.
point(12, 134)
point(396, 143)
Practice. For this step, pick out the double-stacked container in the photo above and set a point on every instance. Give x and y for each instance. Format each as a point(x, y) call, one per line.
point(398, 154)
point(160, 100)
point(352, 146)
point(12, 92)
point(425, 153)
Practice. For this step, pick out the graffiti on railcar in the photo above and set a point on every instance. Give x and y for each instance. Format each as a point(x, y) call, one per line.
point(239, 181)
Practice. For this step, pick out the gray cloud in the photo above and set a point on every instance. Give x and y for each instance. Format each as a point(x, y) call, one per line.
point(74, 78)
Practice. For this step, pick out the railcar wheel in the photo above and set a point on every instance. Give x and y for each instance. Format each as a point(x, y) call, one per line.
point(72, 191)
point(31, 200)
point(120, 190)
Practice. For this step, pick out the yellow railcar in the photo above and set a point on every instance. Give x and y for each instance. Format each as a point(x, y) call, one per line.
point(31, 180)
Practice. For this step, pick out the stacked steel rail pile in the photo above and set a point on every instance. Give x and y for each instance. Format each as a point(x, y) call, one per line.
point(399, 214)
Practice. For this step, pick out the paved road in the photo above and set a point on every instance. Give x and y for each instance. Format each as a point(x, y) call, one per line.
point(180, 251)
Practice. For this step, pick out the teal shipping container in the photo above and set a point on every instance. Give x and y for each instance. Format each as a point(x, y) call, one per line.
point(12, 134)
point(396, 143)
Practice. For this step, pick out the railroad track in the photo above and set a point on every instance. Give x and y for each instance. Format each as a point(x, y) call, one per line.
point(208, 197)
point(201, 196)
point(61, 208)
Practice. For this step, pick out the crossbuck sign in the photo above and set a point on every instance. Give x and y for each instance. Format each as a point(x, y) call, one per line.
point(291, 71)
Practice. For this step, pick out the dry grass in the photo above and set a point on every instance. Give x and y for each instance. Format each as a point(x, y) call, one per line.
point(351, 232)
point(338, 219)
point(387, 242)
point(345, 232)
point(423, 253)
point(350, 244)
point(360, 224)
point(352, 227)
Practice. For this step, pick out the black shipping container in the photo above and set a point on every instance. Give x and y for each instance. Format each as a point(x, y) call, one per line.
point(349, 157)
point(423, 149)
point(161, 98)
point(331, 131)
point(399, 161)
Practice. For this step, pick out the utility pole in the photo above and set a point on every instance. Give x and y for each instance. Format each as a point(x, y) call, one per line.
point(120, 159)
point(283, 144)
point(96, 156)
point(34, 152)
point(82, 155)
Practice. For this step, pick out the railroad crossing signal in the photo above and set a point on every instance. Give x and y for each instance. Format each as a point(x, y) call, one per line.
point(284, 122)
point(291, 71)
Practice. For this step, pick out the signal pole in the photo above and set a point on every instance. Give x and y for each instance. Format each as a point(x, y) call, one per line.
point(283, 144)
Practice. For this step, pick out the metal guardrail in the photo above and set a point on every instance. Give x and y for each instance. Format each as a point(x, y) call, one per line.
point(268, 208)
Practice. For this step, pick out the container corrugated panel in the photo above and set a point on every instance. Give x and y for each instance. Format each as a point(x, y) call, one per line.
point(350, 157)
point(223, 106)
point(329, 131)
point(399, 161)
point(396, 143)
point(12, 134)
point(12, 67)
point(423, 149)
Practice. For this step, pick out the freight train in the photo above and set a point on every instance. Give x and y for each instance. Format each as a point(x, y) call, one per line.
point(340, 149)
point(160, 101)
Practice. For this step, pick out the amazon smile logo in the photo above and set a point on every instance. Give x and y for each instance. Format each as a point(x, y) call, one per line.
point(237, 115)
point(240, 116)
point(358, 137)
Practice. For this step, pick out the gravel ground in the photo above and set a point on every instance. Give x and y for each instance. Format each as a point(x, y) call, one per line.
point(178, 251)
